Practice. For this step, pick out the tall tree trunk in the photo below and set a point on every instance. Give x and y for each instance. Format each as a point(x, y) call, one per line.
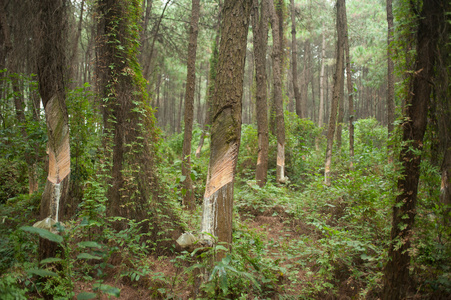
point(390, 76)
point(294, 61)
point(179, 117)
point(51, 64)
point(350, 93)
point(338, 79)
point(322, 83)
point(396, 273)
point(341, 108)
point(188, 198)
point(146, 66)
point(260, 27)
point(278, 99)
point(130, 135)
point(302, 110)
point(226, 122)
point(211, 80)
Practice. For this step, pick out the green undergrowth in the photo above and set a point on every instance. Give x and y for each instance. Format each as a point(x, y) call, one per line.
point(298, 240)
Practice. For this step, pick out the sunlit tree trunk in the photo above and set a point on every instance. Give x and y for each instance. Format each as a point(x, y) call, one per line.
point(188, 198)
point(226, 122)
point(278, 99)
point(260, 27)
point(396, 273)
point(336, 93)
point(390, 75)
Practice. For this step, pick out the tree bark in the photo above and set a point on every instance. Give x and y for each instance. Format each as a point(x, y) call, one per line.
point(350, 93)
point(294, 61)
point(226, 122)
point(390, 76)
point(211, 80)
point(302, 111)
point(278, 99)
point(51, 64)
point(188, 198)
point(396, 273)
point(338, 79)
point(260, 27)
point(322, 83)
point(130, 134)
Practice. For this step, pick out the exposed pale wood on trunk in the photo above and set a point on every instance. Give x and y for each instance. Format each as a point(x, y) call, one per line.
point(226, 122)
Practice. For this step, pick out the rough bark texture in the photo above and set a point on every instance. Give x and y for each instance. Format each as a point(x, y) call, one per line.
point(50, 66)
point(294, 61)
point(278, 99)
point(133, 190)
point(396, 273)
point(338, 79)
point(188, 198)
point(226, 121)
point(260, 27)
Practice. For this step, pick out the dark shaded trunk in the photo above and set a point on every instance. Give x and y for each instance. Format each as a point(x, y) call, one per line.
point(396, 273)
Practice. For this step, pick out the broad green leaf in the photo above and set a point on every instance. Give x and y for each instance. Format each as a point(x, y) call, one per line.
point(41, 272)
point(87, 256)
point(90, 244)
point(86, 296)
point(50, 260)
point(44, 234)
point(110, 290)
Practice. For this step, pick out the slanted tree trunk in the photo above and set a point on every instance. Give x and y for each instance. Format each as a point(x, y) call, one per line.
point(226, 122)
point(51, 63)
point(396, 273)
point(278, 100)
point(390, 76)
point(294, 61)
point(260, 27)
point(188, 198)
point(338, 79)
